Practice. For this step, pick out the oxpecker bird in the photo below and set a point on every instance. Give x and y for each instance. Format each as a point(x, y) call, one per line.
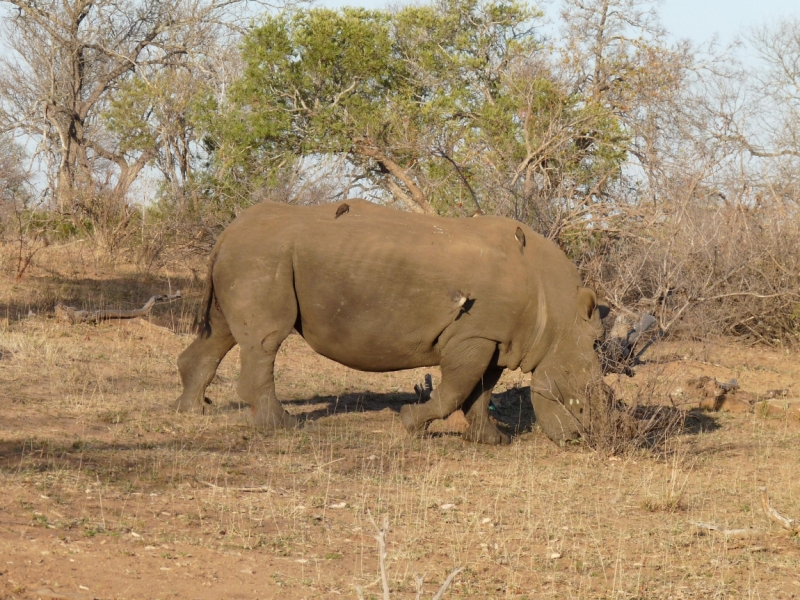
point(520, 237)
point(343, 208)
point(460, 298)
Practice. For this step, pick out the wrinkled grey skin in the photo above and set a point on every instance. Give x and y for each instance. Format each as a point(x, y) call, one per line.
point(381, 290)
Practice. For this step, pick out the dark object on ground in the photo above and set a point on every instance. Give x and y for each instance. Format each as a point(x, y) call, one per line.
point(424, 391)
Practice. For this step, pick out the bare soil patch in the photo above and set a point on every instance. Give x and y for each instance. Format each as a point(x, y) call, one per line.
point(109, 494)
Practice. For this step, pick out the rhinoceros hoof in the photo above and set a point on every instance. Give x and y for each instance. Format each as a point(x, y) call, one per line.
point(487, 434)
point(188, 406)
point(270, 420)
point(410, 422)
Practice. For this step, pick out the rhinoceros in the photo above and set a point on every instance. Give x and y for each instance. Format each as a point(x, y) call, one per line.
point(378, 289)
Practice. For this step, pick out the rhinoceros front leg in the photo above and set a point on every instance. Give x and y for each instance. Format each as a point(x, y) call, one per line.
point(198, 363)
point(463, 366)
point(476, 409)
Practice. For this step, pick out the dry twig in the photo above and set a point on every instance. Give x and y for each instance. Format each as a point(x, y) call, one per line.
point(447, 583)
point(791, 525)
point(237, 489)
point(418, 581)
point(380, 536)
point(726, 532)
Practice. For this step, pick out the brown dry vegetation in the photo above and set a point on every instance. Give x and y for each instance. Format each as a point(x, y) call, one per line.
point(109, 494)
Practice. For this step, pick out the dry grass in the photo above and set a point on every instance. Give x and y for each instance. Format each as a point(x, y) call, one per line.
point(107, 489)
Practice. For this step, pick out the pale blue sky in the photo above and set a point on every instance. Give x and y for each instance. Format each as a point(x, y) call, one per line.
point(698, 20)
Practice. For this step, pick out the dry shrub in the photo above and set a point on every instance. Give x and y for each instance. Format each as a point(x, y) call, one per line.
point(636, 423)
point(719, 270)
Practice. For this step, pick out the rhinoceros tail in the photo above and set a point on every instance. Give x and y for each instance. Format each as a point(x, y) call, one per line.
point(202, 320)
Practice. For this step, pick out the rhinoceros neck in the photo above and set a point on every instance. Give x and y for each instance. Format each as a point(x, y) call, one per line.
point(538, 343)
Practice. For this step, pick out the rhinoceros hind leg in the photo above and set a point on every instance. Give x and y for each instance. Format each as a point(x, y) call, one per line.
point(481, 429)
point(462, 368)
point(257, 386)
point(198, 363)
point(257, 378)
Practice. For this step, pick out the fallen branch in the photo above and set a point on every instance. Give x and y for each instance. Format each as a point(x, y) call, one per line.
point(70, 314)
point(726, 532)
point(237, 489)
point(791, 525)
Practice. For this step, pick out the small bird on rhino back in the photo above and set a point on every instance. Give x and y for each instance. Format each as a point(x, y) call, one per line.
point(519, 235)
point(343, 208)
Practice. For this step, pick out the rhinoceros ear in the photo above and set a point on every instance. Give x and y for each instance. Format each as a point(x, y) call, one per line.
point(587, 302)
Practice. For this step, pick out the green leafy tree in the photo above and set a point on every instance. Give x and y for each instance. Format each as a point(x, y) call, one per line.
point(447, 107)
point(158, 116)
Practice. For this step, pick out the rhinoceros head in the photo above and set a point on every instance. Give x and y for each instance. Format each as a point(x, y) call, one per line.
point(567, 390)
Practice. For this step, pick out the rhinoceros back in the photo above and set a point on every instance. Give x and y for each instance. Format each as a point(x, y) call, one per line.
point(379, 289)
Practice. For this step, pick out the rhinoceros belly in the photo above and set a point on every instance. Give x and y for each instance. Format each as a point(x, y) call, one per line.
point(380, 300)
point(365, 319)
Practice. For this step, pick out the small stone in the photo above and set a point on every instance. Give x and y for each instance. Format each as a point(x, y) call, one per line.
point(553, 555)
point(447, 506)
point(732, 404)
point(779, 407)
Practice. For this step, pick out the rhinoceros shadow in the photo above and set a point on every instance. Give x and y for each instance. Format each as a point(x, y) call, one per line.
point(511, 409)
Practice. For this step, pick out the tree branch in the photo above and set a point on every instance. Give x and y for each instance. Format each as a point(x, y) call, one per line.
point(369, 150)
point(446, 156)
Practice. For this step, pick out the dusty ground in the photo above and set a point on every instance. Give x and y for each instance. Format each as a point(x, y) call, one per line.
point(108, 494)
